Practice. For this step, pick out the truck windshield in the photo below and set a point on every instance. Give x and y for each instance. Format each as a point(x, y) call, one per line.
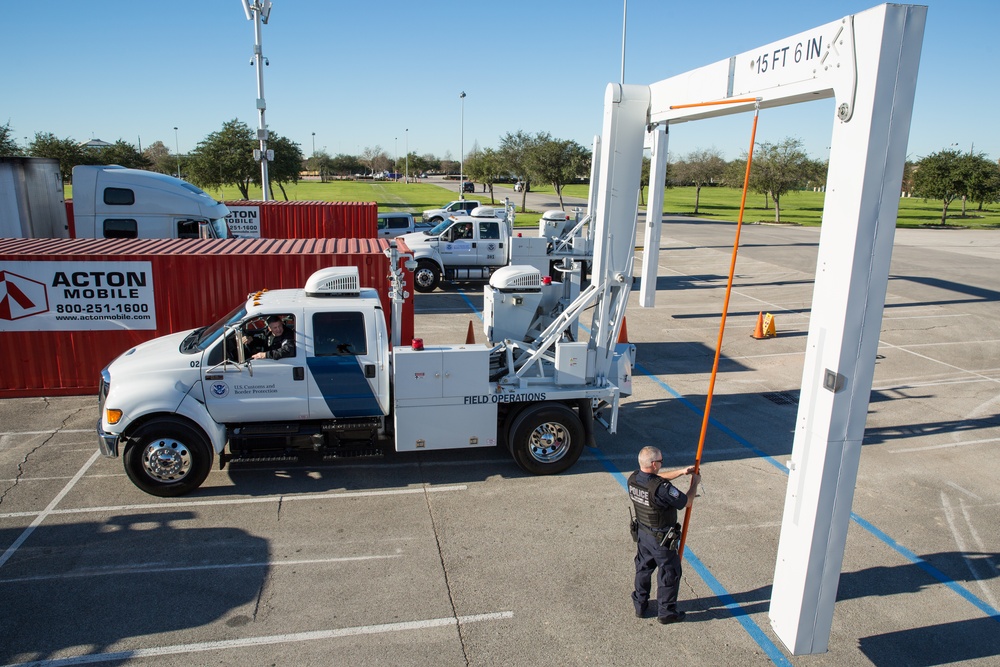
point(437, 231)
point(209, 334)
point(221, 228)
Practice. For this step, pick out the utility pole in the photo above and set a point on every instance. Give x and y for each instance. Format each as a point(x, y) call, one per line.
point(461, 157)
point(259, 11)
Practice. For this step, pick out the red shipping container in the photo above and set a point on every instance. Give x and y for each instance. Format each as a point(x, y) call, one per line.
point(193, 283)
point(303, 219)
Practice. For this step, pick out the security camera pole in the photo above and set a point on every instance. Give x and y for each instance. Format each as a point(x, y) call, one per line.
point(258, 11)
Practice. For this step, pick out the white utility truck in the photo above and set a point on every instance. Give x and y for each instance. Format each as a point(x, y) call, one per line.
point(172, 404)
point(470, 248)
point(115, 202)
point(436, 215)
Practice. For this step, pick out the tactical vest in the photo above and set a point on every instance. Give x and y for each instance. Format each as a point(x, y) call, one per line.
point(646, 511)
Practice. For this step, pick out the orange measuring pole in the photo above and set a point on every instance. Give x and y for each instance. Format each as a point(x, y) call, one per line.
point(740, 100)
point(725, 311)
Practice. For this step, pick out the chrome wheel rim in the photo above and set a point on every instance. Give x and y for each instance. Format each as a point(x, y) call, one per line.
point(549, 442)
point(166, 460)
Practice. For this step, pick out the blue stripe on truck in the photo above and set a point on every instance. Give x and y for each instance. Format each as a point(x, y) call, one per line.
point(342, 383)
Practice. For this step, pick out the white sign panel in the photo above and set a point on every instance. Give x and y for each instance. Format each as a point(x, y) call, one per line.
point(244, 221)
point(76, 296)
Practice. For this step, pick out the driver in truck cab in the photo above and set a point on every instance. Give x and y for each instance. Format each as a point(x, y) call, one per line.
point(277, 342)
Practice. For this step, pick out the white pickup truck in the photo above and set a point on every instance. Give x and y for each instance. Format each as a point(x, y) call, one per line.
point(437, 215)
point(470, 248)
point(392, 224)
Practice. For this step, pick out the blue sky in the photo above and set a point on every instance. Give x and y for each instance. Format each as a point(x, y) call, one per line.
point(389, 73)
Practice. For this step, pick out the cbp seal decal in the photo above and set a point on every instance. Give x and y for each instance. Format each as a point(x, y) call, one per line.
point(219, 389)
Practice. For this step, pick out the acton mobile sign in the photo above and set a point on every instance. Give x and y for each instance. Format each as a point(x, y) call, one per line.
point(74, 296)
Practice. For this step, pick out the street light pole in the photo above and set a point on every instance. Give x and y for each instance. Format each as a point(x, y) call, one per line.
point(461, 157)
point(314, 144)
point(406, 147)
point(395, 158)
point(177, 145)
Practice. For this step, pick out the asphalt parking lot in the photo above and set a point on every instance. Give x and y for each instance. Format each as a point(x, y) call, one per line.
point(461, 559)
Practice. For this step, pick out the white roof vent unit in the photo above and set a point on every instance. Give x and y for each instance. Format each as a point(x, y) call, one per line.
point(334, 281)
point(484, 212)
point(517, 278)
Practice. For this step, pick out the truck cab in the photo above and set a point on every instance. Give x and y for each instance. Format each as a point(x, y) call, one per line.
point(114, 202)
point(175, 402)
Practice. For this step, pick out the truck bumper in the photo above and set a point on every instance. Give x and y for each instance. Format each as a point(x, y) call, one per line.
point(107, 442)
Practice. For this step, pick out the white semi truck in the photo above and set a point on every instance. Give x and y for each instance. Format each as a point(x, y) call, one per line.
point(108, 202)
point(115, 202)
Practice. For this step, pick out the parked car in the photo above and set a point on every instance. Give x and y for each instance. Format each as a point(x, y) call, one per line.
point(468, 186)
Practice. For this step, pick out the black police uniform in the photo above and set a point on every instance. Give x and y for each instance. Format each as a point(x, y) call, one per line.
point(656, 503)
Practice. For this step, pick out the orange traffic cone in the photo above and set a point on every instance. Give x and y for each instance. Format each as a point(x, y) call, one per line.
point(470, 337)
point(758, 331)
point(623, 333)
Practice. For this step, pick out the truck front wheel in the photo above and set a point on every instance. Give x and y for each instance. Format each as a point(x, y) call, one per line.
point(426, 277)
point(167, 458)
point(545, 438)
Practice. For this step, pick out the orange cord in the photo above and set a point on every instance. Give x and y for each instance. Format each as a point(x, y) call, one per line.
point(722, 328)
point(740, 100)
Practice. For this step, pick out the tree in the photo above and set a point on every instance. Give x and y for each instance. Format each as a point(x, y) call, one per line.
point(557, 161)
point(514, 158)
point(376, 159)
point(160, 158)
point(226, 158)
point(484, 166)
point(700, 168)
point(123, 154)
point(941, 176)
point(779, 168)
point(67, 151)
point(982, 180)
point(8, 144)
point(346, 165)
point(287, 163)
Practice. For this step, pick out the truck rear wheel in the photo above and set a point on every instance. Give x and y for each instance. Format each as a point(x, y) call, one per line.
point(167, 458)
point(545, 438)
point(426, 277)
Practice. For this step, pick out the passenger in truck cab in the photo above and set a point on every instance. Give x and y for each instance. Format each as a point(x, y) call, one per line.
point(277, 342)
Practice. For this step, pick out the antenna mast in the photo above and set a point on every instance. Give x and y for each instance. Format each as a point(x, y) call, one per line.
point(258, 11)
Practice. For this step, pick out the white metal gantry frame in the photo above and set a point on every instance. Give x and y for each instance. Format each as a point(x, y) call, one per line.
point(868, 63)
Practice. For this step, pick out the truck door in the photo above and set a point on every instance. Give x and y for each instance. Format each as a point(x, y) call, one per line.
point(457, 245)
point(348, 376)
point(489, 246)
point(276, 391)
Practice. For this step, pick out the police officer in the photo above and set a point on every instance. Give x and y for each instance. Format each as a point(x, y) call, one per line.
point(656, 502)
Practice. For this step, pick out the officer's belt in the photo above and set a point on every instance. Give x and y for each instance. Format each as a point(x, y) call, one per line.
point(658, 534)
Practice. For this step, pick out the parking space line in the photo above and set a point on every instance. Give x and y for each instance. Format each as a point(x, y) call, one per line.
point(140, 569)
point(67, 430)
point(49, 509)
point(246, 642)
point(946, 445)
point(228, 501)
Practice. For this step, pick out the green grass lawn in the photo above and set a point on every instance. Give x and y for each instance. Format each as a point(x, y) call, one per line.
point(803, 208)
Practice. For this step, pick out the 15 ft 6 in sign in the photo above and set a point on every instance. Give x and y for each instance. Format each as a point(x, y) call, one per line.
point(76, 296)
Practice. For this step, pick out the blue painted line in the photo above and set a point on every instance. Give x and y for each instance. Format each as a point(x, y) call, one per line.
point(906, 553)
point(728, 602)
point(928, 568)
point(711, 420)
point(471, 306)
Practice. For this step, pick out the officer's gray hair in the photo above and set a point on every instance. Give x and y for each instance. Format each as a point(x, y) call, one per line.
point(647, 455)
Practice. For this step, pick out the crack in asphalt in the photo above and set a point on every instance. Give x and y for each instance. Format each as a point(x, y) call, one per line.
point(21, 465)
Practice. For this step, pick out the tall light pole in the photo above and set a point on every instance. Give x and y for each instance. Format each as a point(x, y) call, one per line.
point(395, 158)
point(259, 11)
point(314, 144)
point(177, 145)
point(461, 157)
point(406, 147)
